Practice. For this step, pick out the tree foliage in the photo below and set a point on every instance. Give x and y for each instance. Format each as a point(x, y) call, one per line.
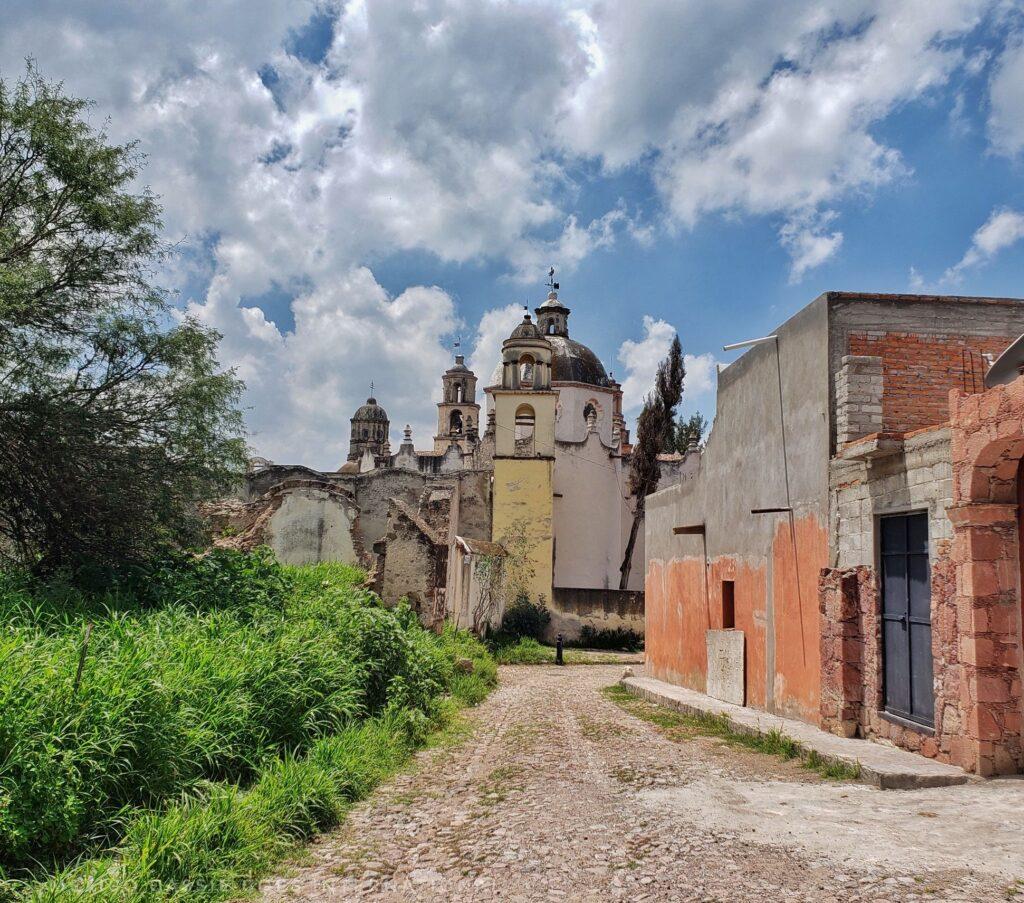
point(115, 417)
point(653, 427)
point(687, 432)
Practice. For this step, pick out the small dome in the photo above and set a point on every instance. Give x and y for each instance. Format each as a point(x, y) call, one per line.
point(552, 301)
point(526, 330)
point(459, 366)
point(371, 411)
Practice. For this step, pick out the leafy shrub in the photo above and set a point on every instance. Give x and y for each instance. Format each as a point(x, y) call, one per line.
point(523, 618)
point(620, 638)
point(187, 685)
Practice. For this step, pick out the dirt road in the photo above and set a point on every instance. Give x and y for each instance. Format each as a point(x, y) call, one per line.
point(558, 794)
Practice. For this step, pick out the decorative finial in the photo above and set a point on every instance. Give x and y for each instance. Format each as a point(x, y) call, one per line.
point(371, 387)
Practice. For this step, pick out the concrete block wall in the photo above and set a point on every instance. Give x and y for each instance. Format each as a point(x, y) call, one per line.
point(858, 388)
point(920, 478)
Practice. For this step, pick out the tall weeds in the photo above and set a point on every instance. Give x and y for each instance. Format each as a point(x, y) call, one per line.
point(188, 703)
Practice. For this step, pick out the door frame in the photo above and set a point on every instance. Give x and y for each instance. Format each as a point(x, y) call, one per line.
point(922, 727)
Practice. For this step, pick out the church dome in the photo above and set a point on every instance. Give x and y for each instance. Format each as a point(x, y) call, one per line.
point(371, 411)
point(573, 362)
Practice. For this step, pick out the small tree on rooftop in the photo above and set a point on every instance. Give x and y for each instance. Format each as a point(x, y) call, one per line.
point(114, 416)
point(653, 426)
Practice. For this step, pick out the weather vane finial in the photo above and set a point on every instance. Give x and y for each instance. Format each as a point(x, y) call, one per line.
point(551, 284)
point(371, 388)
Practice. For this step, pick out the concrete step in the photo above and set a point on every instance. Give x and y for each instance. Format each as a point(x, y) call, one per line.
point(884, 766)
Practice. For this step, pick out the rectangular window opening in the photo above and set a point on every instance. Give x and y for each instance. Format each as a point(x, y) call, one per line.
point(728, 604)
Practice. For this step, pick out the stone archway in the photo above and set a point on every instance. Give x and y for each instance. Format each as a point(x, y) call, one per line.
point(987, 443)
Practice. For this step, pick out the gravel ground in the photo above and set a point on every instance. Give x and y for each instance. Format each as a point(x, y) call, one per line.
point(558, 794)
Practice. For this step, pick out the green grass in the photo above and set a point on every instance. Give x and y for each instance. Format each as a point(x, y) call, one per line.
point(204, 740)
point(527, 651)
point(681, 727)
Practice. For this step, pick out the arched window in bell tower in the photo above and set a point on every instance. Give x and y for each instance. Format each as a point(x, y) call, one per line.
point(526, 370)
point(455, 422)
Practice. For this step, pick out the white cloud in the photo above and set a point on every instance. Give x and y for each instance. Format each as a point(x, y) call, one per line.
point(763, 108)
point(495, 326)
point(641, 359)
point(808, 242)
point(305, 384)
point(455, 128)
point(1006, 91)
point(1003, 228)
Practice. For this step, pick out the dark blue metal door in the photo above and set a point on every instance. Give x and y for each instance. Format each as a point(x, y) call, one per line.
point(906, 618)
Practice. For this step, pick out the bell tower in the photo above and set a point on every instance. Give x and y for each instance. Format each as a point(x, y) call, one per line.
point(524, 455)
point(553, 315)
point(458, 414)
point(370, 426)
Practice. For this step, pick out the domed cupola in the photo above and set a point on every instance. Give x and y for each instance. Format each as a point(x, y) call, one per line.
point(370, 427)
point(526, 358)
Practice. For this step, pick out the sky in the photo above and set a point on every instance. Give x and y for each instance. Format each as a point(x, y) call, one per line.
point(354, 187)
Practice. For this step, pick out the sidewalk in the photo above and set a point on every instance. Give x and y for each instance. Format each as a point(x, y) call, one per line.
point(884, 766)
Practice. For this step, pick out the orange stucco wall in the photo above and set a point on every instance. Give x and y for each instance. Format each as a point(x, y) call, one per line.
point(797, 627)
point(679, 613)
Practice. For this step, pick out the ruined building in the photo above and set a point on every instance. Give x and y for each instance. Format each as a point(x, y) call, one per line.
point(847, 550)
point(532, 501)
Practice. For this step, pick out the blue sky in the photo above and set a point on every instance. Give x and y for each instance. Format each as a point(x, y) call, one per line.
point(353, 185)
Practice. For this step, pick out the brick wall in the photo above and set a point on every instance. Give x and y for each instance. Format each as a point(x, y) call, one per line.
point(919, 370)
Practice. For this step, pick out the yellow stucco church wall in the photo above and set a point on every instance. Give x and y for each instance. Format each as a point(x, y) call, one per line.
point(523, 508)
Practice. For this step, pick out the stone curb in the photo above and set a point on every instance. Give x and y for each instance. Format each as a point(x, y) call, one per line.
point(885, 767)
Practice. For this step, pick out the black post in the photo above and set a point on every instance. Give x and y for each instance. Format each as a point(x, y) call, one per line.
point(558, 650)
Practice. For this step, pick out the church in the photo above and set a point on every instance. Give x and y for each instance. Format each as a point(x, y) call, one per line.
point(523, 493)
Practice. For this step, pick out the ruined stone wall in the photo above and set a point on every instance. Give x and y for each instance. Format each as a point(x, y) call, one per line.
point(411, 569)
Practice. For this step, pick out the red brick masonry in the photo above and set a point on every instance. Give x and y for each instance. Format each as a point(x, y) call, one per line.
point(918, 371)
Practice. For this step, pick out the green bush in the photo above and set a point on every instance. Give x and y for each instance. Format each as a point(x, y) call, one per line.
point(619, 638)
point(181, 688)
point(523, 618)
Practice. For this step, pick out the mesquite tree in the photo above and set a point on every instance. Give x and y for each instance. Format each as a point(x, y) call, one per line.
point(115, 417)
point(652, 426)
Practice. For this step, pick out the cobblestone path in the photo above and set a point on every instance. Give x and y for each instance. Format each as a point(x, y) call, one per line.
point(558, 794)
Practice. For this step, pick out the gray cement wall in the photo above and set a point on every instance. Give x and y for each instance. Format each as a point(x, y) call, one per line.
point(917, 478)
point(741, 466)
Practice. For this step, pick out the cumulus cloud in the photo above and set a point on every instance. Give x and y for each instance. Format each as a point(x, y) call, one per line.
point(640, 360)
point(495, 326)
point(1003, 228)
point(304, 384)
point(1006, 113)
point(294, 144)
